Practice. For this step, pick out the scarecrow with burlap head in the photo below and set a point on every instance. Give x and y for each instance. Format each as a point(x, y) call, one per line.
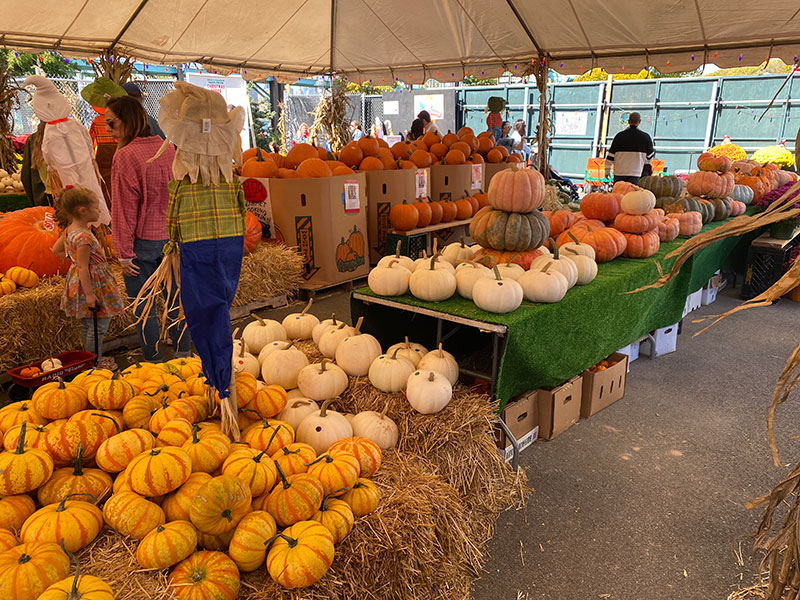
point(206, 228)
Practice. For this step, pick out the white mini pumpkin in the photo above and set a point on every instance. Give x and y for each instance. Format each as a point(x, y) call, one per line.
point(321, 381)
point(376, 426)
point(389, 372)
point(564, 266)
point(356, 352)
point(261, 332)
point(297, 409)
point(467, 275)
point(428, 392)
point(323, 428)
point(390, 279)
point(442, 362)
point(323, 327)
point(574, 247)
point(432, 284)
point(51, 364)
point(543, 286)
point(410, 350)
point(243, 361)
point(510, 271)
point(283, 366)
point(295, 393)
point(498, 295)
point(456, 252)
point(404, 261)
point(300, 326)
point(587, 268)
point(639, 202)
point(269, 349)
point(331, 339)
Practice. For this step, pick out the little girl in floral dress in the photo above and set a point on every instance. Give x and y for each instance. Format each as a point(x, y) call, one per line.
point(89, 282)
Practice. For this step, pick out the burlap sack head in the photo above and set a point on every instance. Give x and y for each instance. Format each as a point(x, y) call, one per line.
point(206, 134)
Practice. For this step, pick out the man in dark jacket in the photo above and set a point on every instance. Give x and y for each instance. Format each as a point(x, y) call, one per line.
point(630, 153)
point(134, 91)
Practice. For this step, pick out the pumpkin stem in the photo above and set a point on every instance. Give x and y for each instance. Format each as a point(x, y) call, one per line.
point(274, 433)
point(261, 321)
point(496, 276)
point(195, 429)
point(21, 442)
point(61, 384)
point(289, 345)
point(74, 593)
point(554, 246)
point(257, 458)
point(385, 409)
point(326, 457)
point(572, 235)
point(547, 266)
point(110, 418)
point(441, 353)
point(333, 318)
point(327, 497)
point(435, 244)
point(408, 344)
point(358, 325)
point(392, 262)
point(394, 354)
point(325, 362)
point(399, 242)
point(62, 504)
point(308, 306)
point(260, 416)
point(323, 412)
point(284, 481)
point(295, 405)
point(78, 470)
point(241, 349)
point(227, 514)
point(431, 376)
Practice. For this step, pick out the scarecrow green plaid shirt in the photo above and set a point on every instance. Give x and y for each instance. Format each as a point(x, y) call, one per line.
point(204, 212)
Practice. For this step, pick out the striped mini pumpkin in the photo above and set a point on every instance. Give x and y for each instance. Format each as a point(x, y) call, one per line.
point(174, 433)
point(268, 401)
point(219, 505)
point(176, 505)
point(295, 498)
point(185, 367)
point(207, 450)
point(363, 497)
point(23, 470)
point(294, 458)
point(337, 472)
point(75, 521)
point(255, 469)
point(130, 514)
point(139, 410)
point(34, 436)
point(167, 545)
point(75, 480)
point(62, 442)
point(23, 277)
point(165, 384)
point(159, 471)
point(301, 555)
point(109, 421)
point(122, 484)
point(217, 543)
point(110, 394)
point(367, 452)
point(337, 516)
point(88, 378)
point(18, 413)
point(205, 575)
point(248, 547)
point(269, 435)
point(29, 569)
point(59, 400)
point(7, 540)
point(116, 453)
point(14, 510)
point(176, 409)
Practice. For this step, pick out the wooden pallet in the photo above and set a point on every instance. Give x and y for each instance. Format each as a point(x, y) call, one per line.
point(310, 290)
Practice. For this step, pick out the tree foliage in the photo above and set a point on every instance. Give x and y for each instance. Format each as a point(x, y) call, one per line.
point(21, 64)
point(776, 65)
point(599, 74)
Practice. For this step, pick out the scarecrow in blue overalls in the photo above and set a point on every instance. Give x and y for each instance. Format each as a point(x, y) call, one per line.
point(206, 229)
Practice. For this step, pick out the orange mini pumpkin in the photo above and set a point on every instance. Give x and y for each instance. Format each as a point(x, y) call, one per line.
point(351, 155)
point(314, 167)
point(371, 163)
point(299, 153)
point(421, 158)
point(404, 217)
point(369, 146)
point(455, 157)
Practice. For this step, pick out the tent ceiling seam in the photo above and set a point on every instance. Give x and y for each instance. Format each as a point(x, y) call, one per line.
point(700, 22)
point(333, 32)
point(128, 23)
point(583, 31)
point(185, 29)
point(71, 23)
point(525, 27)
point(284, 24)
point(391, 31)
point(483, 37)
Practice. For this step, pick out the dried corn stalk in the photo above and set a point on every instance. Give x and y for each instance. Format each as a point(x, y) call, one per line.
point(330, 117)
point(116, 67)
point(282, 127)
point(9, 100)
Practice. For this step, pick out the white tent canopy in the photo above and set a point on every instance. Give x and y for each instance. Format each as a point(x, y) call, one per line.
point(411, 40)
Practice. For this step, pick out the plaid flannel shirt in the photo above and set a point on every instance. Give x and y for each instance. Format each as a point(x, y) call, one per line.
point(204, 212)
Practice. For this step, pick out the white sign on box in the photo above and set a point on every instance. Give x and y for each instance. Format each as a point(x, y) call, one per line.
point(391, 107)
point(477, 176)
point(351, 203)
point(571, 123)
point(421, 184)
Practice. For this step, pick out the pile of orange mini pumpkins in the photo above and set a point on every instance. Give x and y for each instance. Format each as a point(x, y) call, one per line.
point(405, 216)
point(198, 503)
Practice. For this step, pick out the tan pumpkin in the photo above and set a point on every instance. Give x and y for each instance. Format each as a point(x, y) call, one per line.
point(516, 190)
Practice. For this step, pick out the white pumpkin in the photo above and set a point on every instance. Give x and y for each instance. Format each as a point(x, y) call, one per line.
point(283, 366)
point(295, 393)
point(543, 286)
point(456, 252)
point(243, 361)
point(428, 392)
point(432, 284)
point(323, 327)
point(321, 429)
point(18, 186)
point(442, 362)
point(390, 279)
point(404, 261)
point(16, 177)
point(261, 332)
point(639, 202)
point(475, 248)
point(410, 350)
point(389, 372)
point(296, 410)
point(376, 426)
point(331, 339)
point(300, 326)
point(587, 268)
point(467, 275)
point(51, 364)
point(510, 271)
point(564, 266)
point(356, 352)
point(498, 295)
point(575, 247)
point(425, 262)
point(269, 349)
point(321, 381)
point(3, 173)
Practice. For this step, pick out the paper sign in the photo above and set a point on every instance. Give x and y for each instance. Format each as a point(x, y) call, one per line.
point(391, 107)
point(392, 139)
point(206, 125)
point(421, 184)
point(571, 123)
point(433, 103)
point(350, 194)
point(477, 177)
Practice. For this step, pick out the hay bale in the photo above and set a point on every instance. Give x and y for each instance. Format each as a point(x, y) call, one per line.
point(270, 270)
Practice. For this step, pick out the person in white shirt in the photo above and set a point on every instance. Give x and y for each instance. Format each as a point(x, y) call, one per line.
point(630, 153)
point(356, 130)
point(518, 145)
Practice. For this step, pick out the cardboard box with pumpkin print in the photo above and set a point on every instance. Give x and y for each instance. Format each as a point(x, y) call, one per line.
point(453, 182)
point(326, 219)
point(384, 190)
point(490, 170)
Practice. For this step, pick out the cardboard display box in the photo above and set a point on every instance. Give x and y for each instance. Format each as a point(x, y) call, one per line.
point(521, 416)
point(603, 388)
point(452, 182)
point(384, 190)
point(258, 201)
point(492, 169)
point(662, 341)
point(326, 219)
point(559, 408)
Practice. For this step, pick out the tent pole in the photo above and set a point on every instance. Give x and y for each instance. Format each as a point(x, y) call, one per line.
point(543, 133)
point(333, 31)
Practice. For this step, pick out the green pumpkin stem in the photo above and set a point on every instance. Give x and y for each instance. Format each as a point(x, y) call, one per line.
point(63, 503)
point(257, 458)
point(572, 235)
point(497, 273)
point(74, 593)
point(327, 497)
point(112, 419)
point(61, 384)
point(195, 430)
point(21, 442)
point(260, 416)
point(555, 248)
point(547, 266)
point(78, 470)
point(274, 433)
point(284, 481)
point(227, 514)
point(326, 457)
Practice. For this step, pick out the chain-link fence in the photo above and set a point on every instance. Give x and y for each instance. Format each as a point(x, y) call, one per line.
point(26, 122)
point(300, 108)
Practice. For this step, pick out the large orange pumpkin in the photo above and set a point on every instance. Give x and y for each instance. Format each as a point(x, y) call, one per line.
point(278, 159)
point(421, 158)
point(449, 139)
point(259, 166)
point(371, 163)
point(342, 171)
point(252, 232)
point(597, 205)
point(608, 243)
point(438, 150)
point(299, 153)
point(401, 150)
point(369, 146)
point(351, 155)
point(710, 184)
point(286, 173)
point(24, 241)
point(431, 138)
point(404, 217)
point(455, 157)
point(494, 156)
point(465, 131)
point(464, 147)
point(641, 245)
point(516, 190)
point(314, 167)
point(387, 158)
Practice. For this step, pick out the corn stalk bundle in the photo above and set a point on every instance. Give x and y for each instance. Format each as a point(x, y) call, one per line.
point(116, 67)
point(282, 127)
point(8, 102)
point(330, 117)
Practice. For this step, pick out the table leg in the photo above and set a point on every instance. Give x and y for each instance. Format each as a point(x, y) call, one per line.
point(438, 332)
point(495, 362)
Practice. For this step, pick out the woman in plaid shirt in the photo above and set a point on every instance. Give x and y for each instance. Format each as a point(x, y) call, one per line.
point(140, 199)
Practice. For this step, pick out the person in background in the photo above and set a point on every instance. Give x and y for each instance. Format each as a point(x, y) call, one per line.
point(89, 283)
point(140, 199)
point(134, 91)
point(505, 138)
point(302, 135)
point(518, 145)
point(630, 153)
point(356, 131)
point(33, 166)
point(494, 123)
point(426, 120)
point(417, 130)
point(377, 130)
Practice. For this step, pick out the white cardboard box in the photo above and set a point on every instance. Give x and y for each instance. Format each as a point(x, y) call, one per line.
point(693, 302)
point(632, 351)
point(663, 341)
point(710, 289)
point(527, 440)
